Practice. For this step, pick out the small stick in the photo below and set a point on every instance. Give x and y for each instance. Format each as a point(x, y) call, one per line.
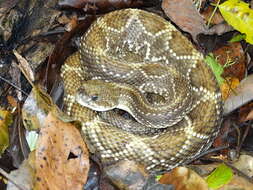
point(10, 83)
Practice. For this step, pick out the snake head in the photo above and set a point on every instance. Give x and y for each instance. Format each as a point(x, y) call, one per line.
point(97, 95)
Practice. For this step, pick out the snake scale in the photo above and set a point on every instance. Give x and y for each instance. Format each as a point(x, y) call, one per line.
point(136, 61)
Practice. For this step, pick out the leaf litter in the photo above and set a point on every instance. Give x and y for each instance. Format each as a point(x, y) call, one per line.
point(50, 140)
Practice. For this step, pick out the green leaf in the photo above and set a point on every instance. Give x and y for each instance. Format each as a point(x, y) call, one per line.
point(238, 14)
point(5, 121)
point(219, 177)
point(216, 67)
point(158, 177)
point(237, 38)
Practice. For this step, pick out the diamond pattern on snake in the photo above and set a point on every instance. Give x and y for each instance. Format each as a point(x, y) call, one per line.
point(136, 62)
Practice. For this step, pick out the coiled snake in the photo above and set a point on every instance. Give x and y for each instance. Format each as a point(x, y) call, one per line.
point(138, 62)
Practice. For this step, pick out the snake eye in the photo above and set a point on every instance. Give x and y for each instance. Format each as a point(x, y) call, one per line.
point(94, 97)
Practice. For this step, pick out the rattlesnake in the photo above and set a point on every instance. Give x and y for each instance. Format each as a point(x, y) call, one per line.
point(141, 51)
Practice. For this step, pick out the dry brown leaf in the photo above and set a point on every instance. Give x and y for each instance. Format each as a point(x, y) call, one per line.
point(245, 113)
point(62, 160)
point(12, 101)
point(25, 67)
point(184, 179)
point(234, 53)
point(217, 18)
point(185, 15)
point(70, 23)
point(249, 116)
point(129, 175)
point(121, 172)
point(228, 86)
point(105, 5)
point(61, 156)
